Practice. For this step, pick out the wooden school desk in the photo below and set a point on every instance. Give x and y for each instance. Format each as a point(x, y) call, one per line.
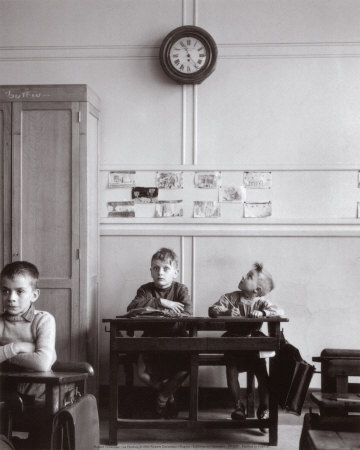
point(195, 345)
point(57, 384)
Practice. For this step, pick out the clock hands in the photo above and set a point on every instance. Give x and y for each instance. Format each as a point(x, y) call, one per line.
point(188, 55)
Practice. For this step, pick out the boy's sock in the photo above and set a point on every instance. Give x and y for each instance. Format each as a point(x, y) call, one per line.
point(161, 405)
point(171, 408)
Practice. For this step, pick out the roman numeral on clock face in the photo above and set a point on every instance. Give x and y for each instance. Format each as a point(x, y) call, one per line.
point(188, 55)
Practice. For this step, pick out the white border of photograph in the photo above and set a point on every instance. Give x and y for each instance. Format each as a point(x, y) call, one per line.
point(207, 179)
point(257, 209)
point(121, 209)
point(257, 179)
point(206, 209)
point(232, 193)
point(121, 179)
point(169, 180)
point(169, 208)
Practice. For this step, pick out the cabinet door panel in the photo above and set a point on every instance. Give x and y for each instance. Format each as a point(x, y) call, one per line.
point(5, 185)
point(46, 206)
point(46, 190)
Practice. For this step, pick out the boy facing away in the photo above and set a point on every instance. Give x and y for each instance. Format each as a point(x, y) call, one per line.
point(249, 301)
point(27, 336)
point(164, 371)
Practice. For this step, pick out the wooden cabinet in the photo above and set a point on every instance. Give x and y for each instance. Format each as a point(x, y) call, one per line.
point(49, 200)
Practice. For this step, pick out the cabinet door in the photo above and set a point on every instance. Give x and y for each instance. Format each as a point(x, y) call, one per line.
point(45, 214)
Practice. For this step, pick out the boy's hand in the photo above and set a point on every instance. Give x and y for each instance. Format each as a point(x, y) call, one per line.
point(24, 347)
point(257, 313)
point(174, 306)
point(234, 311)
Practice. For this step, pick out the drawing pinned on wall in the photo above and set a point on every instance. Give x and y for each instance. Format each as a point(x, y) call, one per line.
point(121, 179)
point(258, 180)
point(169, 208)
point(121, 209)
point(207, 180)
point(144, 194)
point(257, 209)
point(206, 209)
point(169, 180)
point(232, 193)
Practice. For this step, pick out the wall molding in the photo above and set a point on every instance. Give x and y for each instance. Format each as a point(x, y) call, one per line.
point(231, 228)
point(139, 51)
point(284, 167)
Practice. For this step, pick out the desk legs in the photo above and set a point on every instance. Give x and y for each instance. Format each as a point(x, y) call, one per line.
point(194, 386)
point(52, 398)
point(113, 400)
point(273, 405)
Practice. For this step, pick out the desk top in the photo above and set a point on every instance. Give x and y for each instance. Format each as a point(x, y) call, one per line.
point(43, 377)
point(192, 320)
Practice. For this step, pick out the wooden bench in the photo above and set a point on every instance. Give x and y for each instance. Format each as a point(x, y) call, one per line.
point(336, 404)
point(327, 439)
point(326, 426)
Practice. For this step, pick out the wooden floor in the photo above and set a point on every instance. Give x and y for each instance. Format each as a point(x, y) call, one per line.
point(289, 435)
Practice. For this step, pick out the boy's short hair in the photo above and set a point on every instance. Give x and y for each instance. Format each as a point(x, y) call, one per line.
point(164, 254)
point(21, 268)
point(265, 279)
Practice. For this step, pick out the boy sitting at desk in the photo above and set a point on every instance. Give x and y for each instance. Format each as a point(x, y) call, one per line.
point(27, 336)
point(164, 371)
point(249, 301)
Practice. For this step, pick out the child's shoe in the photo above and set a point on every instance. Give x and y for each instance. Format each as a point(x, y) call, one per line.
point(239, 413)
point(263, 414)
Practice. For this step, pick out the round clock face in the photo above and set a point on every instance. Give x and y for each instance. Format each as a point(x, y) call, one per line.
point(188, 54)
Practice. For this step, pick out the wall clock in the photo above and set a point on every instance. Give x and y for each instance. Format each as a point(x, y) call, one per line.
point(188, 54)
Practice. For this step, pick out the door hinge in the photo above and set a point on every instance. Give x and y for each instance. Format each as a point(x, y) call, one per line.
point(79, 116)
point(78, 253)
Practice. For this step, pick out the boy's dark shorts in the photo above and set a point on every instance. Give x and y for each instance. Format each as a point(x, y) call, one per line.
point(163, 365)
point(245, 360)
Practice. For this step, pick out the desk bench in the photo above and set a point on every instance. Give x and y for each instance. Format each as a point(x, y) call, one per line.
point(57, 384)
point(336, 367)
point(196, 347)
point(326, 439)
point(336, 404)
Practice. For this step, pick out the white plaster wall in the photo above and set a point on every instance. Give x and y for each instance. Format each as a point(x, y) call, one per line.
point(285, 97)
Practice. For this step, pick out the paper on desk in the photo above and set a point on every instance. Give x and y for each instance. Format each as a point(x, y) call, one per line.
point(266, 353)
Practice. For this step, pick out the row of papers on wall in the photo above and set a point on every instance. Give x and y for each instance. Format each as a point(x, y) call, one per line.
point(173, 180)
